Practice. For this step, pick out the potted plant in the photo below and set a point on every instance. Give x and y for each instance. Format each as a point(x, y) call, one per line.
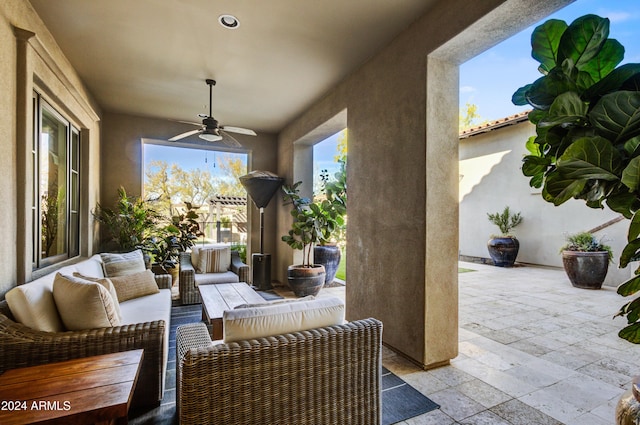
point(310, 226)
point(587, 142)
point(334, 205)
point(504, 249)
point(187, 227)
point(130, 224)
point(586, 260)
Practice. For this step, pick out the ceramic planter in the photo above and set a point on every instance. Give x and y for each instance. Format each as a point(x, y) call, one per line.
point(503, 250)
point(586, 270)
point(305, 281)
point(329, 256)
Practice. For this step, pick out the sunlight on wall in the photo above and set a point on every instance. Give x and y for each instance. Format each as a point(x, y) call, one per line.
point(472, 171)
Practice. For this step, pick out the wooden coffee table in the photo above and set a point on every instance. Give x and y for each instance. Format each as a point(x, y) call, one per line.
point(89, 390)
point(218, 297)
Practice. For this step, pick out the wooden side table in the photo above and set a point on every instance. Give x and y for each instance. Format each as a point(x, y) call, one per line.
point(89, 390)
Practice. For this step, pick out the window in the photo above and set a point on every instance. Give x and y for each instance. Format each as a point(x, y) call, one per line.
point(56, 186)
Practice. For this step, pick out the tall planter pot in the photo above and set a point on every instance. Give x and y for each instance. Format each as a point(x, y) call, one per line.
point(305, 281)
point(586, 270)
point(329, 256)
point(503, 250)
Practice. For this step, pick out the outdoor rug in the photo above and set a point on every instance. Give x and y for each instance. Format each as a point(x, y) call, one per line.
point(400, 401)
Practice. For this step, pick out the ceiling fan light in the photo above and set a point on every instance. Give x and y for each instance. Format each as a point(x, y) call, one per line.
point(210, 136)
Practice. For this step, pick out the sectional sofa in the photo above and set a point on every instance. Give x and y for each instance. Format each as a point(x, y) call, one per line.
point(33, 331)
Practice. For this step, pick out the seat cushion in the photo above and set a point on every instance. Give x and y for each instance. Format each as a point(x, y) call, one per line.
point(135, 285)
point(83, 304)
point(122, 264)
point(280, 318)
point(212, 278)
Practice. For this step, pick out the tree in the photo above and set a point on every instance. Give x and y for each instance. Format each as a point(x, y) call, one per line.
point(468, 117)
point(230, 184)
point(587, 142)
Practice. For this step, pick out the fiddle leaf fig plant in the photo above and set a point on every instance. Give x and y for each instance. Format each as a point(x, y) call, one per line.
point(586, 110)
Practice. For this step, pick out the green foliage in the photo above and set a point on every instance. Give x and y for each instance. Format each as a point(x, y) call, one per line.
point(335, 193)
point(131, 223)
point(586, 111)
point(241, 249)
point(187, 226)
point(505, 220)
point(585, 242)
point(312, 222)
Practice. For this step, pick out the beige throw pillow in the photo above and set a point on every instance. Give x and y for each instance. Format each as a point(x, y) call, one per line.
point(83, 304)
point(122, 264)
point(214, 260)
point(106, 282)
point(135, 285)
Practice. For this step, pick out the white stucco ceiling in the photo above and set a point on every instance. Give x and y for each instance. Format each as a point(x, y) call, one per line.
point(151, 57)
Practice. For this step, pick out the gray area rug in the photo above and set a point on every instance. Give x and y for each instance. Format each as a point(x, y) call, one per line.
point(400, 401)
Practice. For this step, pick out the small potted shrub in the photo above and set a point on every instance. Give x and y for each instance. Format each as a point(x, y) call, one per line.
point(586, 260)
point(504, 248)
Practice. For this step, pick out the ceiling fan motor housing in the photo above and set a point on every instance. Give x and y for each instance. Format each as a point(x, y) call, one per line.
point(210, 122)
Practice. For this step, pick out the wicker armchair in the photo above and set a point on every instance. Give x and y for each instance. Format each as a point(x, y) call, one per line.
point(21, 346)
point(187, 282)
point(329, 375)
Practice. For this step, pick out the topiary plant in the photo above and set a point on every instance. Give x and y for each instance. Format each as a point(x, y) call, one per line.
point(587, 144)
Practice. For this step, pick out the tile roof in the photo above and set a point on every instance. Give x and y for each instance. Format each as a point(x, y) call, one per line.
point(493, 125)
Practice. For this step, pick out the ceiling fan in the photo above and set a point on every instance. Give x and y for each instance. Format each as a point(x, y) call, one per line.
point(210, 130)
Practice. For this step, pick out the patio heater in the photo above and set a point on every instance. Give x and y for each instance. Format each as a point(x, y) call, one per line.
point(261, 186)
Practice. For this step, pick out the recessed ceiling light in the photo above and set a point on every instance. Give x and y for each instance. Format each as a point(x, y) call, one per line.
point(229, 21)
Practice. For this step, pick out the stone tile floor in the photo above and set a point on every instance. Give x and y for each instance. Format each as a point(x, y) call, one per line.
point(532, 350)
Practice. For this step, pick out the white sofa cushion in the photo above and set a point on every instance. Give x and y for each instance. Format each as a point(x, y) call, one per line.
point(210, 278)
point(83, 304)
point(122, 264)
point(32, 304)
point(91, 267)
point(280, 318)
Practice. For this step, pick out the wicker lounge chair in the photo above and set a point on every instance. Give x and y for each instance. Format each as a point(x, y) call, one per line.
point(329, 375)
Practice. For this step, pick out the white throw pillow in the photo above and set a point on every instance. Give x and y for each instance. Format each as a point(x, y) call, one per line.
point(83, 304)
point(32, 304)
point(280, 318)
point(214, 260)
point(122, 264)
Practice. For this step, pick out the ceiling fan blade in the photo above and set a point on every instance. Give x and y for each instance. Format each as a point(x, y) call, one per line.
point(183, 135)
point(229, 140)
point(239, 130)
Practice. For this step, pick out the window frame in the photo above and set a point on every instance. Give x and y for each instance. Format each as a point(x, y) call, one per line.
point(72, 208)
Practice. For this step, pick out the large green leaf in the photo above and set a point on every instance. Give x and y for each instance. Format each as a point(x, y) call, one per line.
point(628, 255)
point(607, 59)
point(533, 165)
point(617, 116)
point(613, 81)
point(629, 287)
point(631, 174)
point(590, 158)
point(545, 89)
point(583, 39)
point(566, 110)
point(631, 146)
point(631, 333)
point(545, 40)
point(532, 146)
point(559, 190)
point(634, 227)
point(622, 202)
point(519, 98)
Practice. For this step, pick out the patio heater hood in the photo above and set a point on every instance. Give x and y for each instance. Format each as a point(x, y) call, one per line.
point(261, 186)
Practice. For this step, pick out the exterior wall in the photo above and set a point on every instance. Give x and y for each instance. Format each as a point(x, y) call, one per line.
point(491, 178)
point(402, 156)
point(122, 165)
point(30, 59)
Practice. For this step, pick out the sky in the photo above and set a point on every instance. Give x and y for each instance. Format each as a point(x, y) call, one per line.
point(489, 80)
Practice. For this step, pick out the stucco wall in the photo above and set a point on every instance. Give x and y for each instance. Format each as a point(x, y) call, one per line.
point(31, 60)
point(491, 178)
point(122, 165)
